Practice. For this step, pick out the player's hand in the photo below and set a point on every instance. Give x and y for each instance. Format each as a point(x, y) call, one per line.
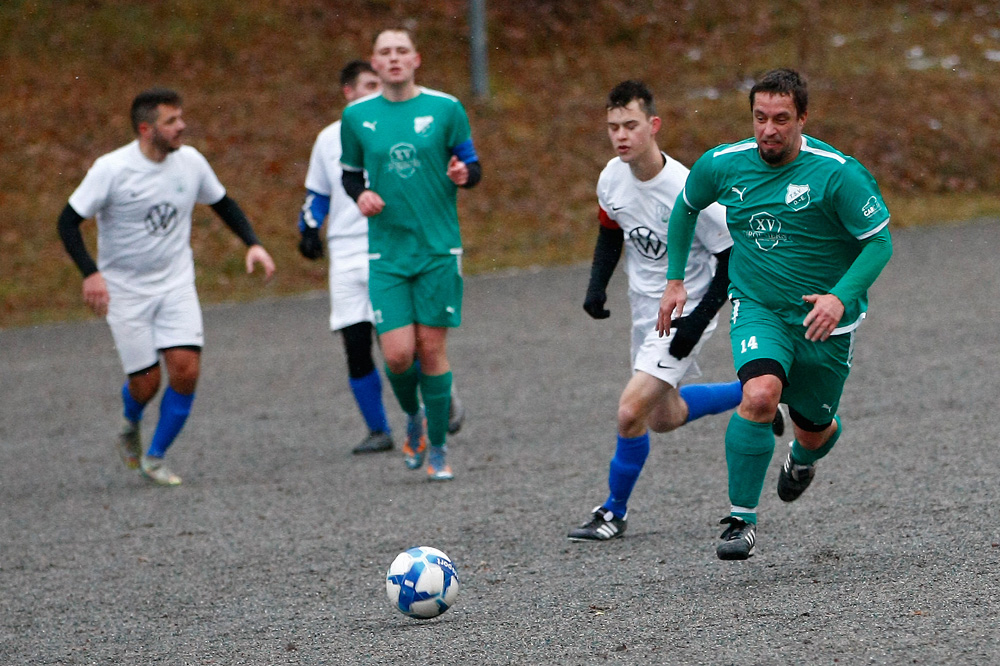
point(370, 203)
point(824, 316)
point(687, 335)
point(310, 245)
point(594, 304)
point(458, 171)
point(673, 300)
point(95, 294)
point(258, 255)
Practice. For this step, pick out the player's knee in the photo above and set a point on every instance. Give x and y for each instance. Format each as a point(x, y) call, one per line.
point(761, 396)
point(630, 418)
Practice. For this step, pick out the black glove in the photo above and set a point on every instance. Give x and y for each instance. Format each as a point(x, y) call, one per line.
point(594, 304)
point(689, 330)
point(311, 246)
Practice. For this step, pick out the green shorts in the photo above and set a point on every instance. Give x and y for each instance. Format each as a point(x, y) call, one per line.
point(425, 291)
point(816, 371)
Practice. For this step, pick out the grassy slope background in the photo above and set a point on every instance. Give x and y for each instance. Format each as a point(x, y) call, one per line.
point(909, 87)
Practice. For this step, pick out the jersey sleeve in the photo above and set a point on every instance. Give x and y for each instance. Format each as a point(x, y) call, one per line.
point(210, 189)
point(604, 203)
point(858, 201)
point(711, 229)
point(93, 192)
point(700, 189)
point(352, 156)
point(460, 131)
point(318, 176)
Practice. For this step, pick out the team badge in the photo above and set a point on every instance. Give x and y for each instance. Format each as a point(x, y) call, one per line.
point(423, 125)
point(647, 242)
point(403, 160)
point(797, 197)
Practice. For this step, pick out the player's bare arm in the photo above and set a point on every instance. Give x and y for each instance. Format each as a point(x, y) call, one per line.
point(673, 300)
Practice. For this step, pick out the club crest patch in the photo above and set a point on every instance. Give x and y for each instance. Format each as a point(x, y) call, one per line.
point(423, 125)
point(797, 197)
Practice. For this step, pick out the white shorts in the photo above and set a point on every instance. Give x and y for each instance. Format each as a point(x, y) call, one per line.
point(143, 325)
point(349, 300)
point(651, 353)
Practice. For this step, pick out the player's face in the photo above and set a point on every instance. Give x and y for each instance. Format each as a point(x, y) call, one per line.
point(631, 131)
point(167, 132)
point(394, 58)
point(777, 127)
point(366, 84)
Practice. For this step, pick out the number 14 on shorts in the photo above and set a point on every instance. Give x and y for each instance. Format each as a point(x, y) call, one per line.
point(748, 343)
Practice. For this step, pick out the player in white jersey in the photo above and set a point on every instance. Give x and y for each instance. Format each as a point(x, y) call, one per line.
point(636, 192)
point(347, 243)
point(142, 196)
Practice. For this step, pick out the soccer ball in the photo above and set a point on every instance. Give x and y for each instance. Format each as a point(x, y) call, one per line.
point(422, 582)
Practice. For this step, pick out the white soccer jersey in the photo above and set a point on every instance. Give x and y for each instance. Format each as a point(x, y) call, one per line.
point(143, 211)
point(347, 228)
point(641, 210)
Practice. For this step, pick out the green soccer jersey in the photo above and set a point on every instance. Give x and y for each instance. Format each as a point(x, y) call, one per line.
point(796, 228)
point(405, 148)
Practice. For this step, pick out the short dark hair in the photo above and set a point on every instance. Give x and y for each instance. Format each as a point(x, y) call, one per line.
point(626, 91)
point(784, 81)
point(352, 70)
point(145, 105)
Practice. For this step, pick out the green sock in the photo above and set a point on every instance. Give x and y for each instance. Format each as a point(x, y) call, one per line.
point(749, 447)
point(436, 392)
point(804, 456)
point(404, 386)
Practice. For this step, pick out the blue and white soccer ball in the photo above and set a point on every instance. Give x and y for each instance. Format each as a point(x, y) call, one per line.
point(422, 582)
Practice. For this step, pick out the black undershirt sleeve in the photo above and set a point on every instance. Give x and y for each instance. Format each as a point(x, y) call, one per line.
point(69, 231)
point(354, 183)
point(475, 174)
point(235, 219)
point(607, 252)
point(718, 289)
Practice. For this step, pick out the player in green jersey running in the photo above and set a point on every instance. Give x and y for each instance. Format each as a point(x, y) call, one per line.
point(811, 235)
point(416, 146)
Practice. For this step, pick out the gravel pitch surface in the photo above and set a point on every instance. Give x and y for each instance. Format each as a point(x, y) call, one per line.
point(274, 549)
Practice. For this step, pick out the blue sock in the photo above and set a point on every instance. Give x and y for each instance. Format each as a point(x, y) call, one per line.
point(630, 456)
point(703, 399)
point(174, 410)
point(368, 394)
point(133, 408)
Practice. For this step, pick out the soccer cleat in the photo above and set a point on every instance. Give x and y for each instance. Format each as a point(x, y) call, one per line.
point(157, 472)
point(794, 479)
point(738, 540)
point(456, 414)
point(375, 442)
point(130, 444)
point(602, 526)
point(437, 468)
point(780, 422)
point(415, 447)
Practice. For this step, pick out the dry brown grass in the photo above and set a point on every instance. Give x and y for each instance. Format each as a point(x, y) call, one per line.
point(259, 81)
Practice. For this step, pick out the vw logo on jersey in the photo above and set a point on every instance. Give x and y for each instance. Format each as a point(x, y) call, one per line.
point(161, 219)
point(423, 125)
point(765, 230)
point(647, 242)
point(797, 197)
point(403, 160)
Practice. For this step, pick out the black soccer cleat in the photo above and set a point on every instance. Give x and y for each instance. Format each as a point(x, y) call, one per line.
point(780, 422)
point(602, 526)
point(794, 479)
point(456, 414)
point(375, 442)
point(738, 540)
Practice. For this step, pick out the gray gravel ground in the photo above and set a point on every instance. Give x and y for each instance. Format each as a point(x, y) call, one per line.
point(275, 548)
